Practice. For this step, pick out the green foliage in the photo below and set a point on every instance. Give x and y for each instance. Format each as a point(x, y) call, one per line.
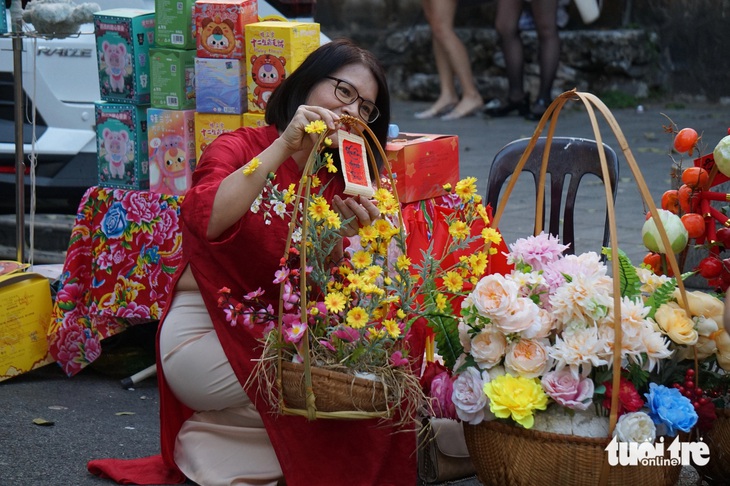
point(447, 338)
point(661, 295)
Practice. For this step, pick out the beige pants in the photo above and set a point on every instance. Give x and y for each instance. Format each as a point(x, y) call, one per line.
point(224, 442)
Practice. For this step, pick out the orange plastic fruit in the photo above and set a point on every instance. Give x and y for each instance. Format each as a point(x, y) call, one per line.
point(670, 201)
point(694, 224)
point(696, 177)
point(688, 200)
point(685, 140)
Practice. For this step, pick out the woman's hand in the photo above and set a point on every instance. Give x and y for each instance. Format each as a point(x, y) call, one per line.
point(362, 211)
point(295, 138)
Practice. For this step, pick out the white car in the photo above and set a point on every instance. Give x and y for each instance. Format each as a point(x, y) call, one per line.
point(61, 81)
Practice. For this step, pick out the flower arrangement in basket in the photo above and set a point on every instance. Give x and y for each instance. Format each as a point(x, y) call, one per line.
point(563, 359)
point(697, 220)
point(339, 344)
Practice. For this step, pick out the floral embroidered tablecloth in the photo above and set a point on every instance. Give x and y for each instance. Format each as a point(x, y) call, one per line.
point(124, 249)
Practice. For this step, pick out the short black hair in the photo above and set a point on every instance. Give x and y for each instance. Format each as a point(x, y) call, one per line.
point(321, 63)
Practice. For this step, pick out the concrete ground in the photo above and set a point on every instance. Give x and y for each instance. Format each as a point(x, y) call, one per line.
point(91, 411)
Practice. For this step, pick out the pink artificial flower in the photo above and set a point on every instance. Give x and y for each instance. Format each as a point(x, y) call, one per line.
point(255, 294)
point(397, 359)
point(290, 296)
point(536, 251)
point(347, 334)
point(326, 344)
point(281, 275)
point(568, 390)
point(441, 389)
point(294, 328)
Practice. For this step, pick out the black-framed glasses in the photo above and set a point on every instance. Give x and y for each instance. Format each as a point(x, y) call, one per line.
point(347, 93)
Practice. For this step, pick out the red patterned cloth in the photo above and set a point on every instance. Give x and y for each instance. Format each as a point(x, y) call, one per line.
point(125, 247)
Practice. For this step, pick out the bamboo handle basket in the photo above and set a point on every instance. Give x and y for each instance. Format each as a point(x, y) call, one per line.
point(717, 438)
point(509, 455)
point(305, 389)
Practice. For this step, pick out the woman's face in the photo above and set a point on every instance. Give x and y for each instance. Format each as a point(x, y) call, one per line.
point(357, 75)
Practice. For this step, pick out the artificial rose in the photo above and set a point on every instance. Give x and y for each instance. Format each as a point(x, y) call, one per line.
point(701, 303)
point(464, 338)
point(635, 427)
point(705, 348)
point(468, 395)
point(675, 323)
point(520, 317)
point(488, 347)
point(568, 390)
point(669, 407)
point(629, 399)
point(526, 357)
point(431, 371)
point(516, 397)
point(493, 296)
point(441, 389)
point(541, 326)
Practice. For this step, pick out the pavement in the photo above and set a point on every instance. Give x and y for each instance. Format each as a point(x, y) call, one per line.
point(92, 416)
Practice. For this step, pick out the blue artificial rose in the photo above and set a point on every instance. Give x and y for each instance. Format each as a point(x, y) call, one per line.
point(115, 221)
point(669, 407)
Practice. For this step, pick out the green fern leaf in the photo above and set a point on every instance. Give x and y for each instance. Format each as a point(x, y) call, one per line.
point(628, 278)
point(661, 295)
point(447, 338)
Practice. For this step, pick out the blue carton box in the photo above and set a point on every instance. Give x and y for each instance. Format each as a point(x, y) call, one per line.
point(220, 86)
point(121, 145)
point(123, 40)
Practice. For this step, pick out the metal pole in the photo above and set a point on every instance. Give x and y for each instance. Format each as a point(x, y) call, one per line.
point(17, 30)
point(19, 155)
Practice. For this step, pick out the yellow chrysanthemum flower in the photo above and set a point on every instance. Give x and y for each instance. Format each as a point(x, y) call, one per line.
point(361, 259)
point(373, 272)
point(466, 188)
point(357, 317)
point(330, 163)
point(318, 208)
point(251, 166)
point(447, 187)
point(383, 227)
point(327, 142)
point(333, 220)
point(403, 262)
point(478, 262)
point(459, 230)
point(400, 313)
point(315, 182)
point(389, 207)
point(441, 302)
point(391, 326)
point(387, 280)
point(355, 281)
point(482, 212)
point(491, 235)
point(376, 334)
point(367, 234)
point(335, 302)
point(316, 126)
point(290, 194)
point(517, 398)
point(453, 282)
point(383, 195)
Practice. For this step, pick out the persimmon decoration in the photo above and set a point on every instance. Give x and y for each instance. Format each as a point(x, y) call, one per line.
point(689, 200)
point(694, 224)
point(696, 177)
point(685, 140)
point(670, 201)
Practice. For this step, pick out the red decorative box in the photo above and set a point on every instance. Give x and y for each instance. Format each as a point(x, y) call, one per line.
point(422, 164)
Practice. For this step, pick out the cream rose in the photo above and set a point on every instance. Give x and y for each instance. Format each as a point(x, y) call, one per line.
point(635, 427)
point(675, 323)
point(488, 347)
point(493, 296)
point(705, 347)
point(520, 317)
point(541, 327)
point(701, 303)
point(464, 338)
point(526, 357)
point(468, 396)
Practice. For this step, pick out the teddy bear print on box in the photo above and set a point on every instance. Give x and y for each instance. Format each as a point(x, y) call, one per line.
point(171, 137)
point(123, 40)
point(273, 50)
point(121, 145)
point(220, 27)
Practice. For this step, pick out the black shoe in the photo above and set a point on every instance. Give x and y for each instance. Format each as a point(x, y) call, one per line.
point(537, 110)
point(522, 107)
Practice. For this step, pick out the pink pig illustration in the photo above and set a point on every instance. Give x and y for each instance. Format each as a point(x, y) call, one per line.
point(115, 56)
point(115, 143)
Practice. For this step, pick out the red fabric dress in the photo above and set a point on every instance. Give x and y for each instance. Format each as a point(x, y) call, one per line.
point(328, 452)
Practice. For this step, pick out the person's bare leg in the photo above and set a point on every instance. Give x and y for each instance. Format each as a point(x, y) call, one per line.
point(442, 26)
point(447, 96)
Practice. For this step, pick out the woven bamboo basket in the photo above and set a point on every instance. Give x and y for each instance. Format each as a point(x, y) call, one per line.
point(717, 471)
point(325, 393)
point(508, 455)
